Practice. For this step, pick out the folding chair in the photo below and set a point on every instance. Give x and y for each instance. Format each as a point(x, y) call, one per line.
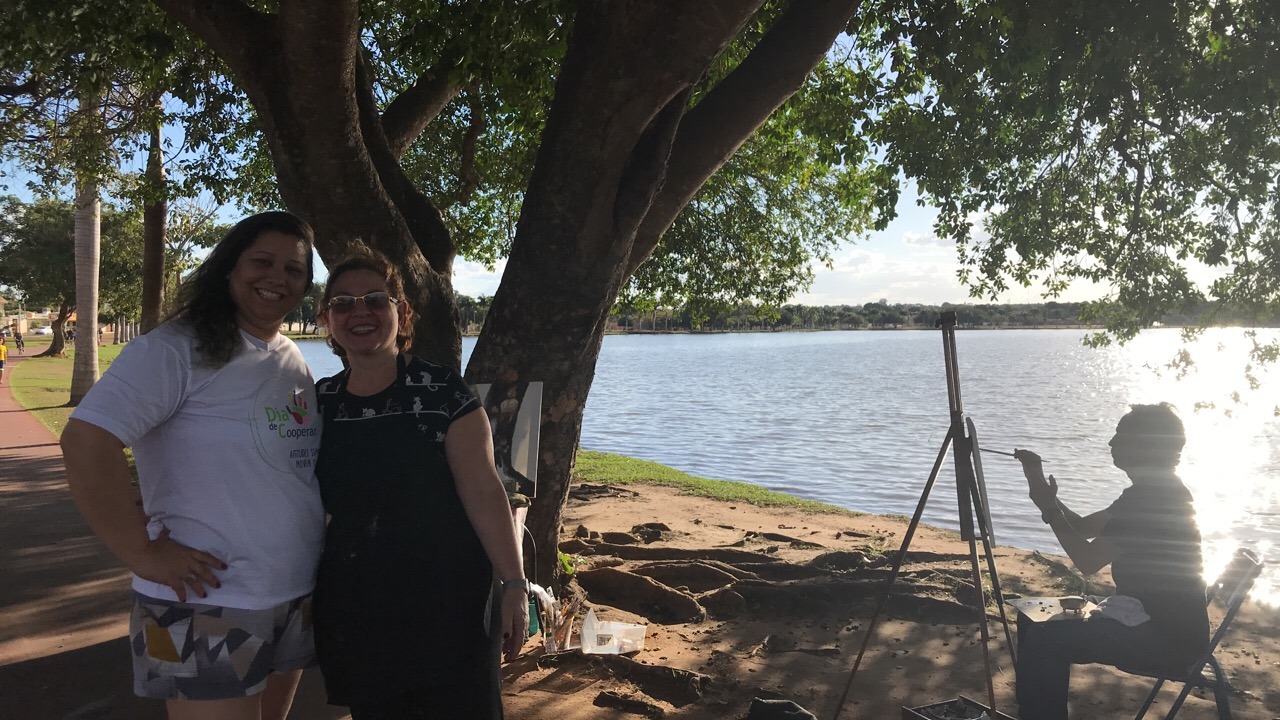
point(1231, 589)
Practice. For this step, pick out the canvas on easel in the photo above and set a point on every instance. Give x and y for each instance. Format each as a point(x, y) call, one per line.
point(515, 413)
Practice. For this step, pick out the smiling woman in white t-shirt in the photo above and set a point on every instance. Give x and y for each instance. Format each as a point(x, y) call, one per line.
point(219, 409)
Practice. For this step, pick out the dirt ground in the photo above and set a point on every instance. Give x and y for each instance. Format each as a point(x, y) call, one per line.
point(739, 601)
point(788, 598)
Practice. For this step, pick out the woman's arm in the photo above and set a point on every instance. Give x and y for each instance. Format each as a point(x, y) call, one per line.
point(1075, 533)
point(102, 488)
point(1089, 556)
point(469, 448)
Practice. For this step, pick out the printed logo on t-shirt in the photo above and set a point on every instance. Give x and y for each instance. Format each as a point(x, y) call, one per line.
point(286, 430)
point(296, 410)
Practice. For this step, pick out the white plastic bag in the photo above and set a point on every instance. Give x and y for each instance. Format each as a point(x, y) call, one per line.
point(611, 638)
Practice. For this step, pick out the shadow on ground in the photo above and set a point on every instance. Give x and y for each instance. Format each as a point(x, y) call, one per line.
point(95, 683)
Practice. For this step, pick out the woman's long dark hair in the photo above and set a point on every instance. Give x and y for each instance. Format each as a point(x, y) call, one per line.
point(204, 301)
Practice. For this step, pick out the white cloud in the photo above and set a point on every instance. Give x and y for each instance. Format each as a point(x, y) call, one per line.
point(474, 279)
point(862, 275)
point(918, 239)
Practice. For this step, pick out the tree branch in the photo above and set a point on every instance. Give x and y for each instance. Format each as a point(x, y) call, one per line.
point(231, 28)
point(412, 110)
point(714, 129)
point(468, 177)
point(30, 87)
point(425, 224)
point(643, 176)
point(625, 63)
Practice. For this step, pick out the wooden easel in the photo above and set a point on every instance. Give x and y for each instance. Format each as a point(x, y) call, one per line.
point(971, 498)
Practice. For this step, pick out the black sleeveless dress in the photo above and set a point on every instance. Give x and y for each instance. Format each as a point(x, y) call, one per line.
point(403, 586)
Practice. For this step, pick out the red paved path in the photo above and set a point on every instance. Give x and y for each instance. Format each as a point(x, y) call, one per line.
point(63, 597)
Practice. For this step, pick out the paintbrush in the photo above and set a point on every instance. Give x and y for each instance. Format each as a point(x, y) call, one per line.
point(1007, 454)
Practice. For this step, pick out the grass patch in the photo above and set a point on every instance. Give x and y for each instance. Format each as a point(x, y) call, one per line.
point(43, 385)
point(609, 469)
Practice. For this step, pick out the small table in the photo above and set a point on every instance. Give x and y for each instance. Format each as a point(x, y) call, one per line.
point(1048, 609)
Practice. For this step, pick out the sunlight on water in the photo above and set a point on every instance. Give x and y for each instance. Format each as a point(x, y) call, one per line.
point(1232, 458)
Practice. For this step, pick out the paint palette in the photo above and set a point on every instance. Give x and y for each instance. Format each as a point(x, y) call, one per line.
point(1045, 609)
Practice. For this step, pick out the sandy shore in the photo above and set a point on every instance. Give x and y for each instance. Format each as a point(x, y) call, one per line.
point(788, 597)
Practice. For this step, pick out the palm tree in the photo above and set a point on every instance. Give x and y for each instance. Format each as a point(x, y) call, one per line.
point(155, 220)
point(88, 239)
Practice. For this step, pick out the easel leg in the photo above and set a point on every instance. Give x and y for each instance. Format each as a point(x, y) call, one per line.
point(893, 576)
point(997, 593)
point(981, 603)
point(972, 505)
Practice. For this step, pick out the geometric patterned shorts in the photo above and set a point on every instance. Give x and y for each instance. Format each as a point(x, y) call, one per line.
point(189, 651)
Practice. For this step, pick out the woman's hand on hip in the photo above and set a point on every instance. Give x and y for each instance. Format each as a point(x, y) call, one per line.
point(171, 563)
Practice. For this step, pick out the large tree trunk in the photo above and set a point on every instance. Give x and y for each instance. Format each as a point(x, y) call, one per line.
point(155, 217)
point(619, 158)
point(620, 96)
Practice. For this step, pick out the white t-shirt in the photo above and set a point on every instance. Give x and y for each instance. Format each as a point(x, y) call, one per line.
point(225, 456)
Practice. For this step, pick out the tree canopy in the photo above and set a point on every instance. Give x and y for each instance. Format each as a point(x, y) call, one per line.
point(37, 254)
point(710, 151)
point(1134, 144)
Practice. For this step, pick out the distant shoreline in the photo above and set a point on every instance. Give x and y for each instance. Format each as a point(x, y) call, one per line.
point(861, 329)
point(681, 331)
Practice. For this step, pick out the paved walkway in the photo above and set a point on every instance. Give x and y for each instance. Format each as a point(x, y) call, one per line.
point(63, 597)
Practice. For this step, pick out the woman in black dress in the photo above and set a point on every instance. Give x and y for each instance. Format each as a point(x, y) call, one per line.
point(420, 584)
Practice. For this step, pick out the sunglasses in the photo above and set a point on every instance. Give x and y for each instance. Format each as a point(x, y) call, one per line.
point(374, 301)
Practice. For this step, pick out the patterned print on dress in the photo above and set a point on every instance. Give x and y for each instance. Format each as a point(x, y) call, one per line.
point(461, 399)
point(424, 380)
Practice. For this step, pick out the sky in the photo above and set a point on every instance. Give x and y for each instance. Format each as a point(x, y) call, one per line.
point(906, 263)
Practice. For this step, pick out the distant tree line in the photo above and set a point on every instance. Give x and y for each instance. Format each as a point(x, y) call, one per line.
point(882, 315)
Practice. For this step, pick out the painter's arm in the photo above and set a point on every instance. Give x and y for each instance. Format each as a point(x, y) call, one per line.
point(1077, 534)
point(1089, 556)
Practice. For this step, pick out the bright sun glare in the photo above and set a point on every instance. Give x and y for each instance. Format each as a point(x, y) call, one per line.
point(1233, 448)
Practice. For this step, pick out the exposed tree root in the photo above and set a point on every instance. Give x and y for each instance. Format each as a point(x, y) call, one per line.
point(670, 685)
point(698, 577)
point(640, 595)
point(782, 571)
point(632, 552)
point(587, 491)
point(617, 701)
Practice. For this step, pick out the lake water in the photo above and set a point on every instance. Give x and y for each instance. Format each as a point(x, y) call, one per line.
point(856, 419)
